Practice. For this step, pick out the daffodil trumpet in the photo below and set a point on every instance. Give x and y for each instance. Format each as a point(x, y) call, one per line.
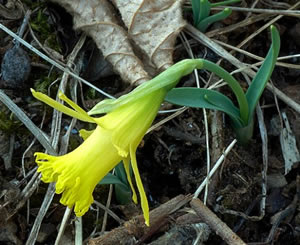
point(116, 138)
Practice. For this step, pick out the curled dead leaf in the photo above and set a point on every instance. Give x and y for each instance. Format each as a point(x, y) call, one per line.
point(96, 18)
point(152, 25)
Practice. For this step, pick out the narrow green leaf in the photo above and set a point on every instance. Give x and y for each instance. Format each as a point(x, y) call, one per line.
point(222, 103)
point(203, 98)
point(111, 179)
point(196, 10)
point(203, 11)
point(123, 194)
point(259, 82)
point(120, 173)
point(122, 189)
point(205, 23)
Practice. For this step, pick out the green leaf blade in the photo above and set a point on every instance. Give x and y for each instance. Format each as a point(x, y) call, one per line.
point(261, 78)
point(196, 10)
point(204, 98)
point(111, 179)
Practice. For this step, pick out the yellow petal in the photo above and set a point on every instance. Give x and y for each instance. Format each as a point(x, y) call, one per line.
point(144, 201)
point(126, 166)
point(84, 134)
point(60, 107)
point(73, 105)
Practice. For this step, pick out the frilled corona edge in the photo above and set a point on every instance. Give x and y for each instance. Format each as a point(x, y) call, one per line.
point(77, 173)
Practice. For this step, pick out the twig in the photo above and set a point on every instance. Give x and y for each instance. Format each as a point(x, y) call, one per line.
point(280, 216)
point(136, 226)
point(217, 147)
point(249, 13)
point(223, 210)
point(215, 223)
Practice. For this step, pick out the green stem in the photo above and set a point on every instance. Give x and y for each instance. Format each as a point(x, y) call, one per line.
point(233, 84)
point(243, 134)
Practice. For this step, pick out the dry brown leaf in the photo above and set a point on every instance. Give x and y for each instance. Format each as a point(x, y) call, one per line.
point(96, 18)
point(153, 25)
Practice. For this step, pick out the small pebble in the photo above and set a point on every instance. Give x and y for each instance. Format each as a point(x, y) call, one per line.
point(15, 68)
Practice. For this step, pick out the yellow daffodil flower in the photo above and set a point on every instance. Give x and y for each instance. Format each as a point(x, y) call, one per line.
point(116, 138)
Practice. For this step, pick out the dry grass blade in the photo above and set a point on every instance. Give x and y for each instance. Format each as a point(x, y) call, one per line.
point(293, 13)
point(63, 224)
point(42, 212)
point(108, 211)
point(78, 231)
point(216, 166)
point(246, 22)
point(41, 137)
